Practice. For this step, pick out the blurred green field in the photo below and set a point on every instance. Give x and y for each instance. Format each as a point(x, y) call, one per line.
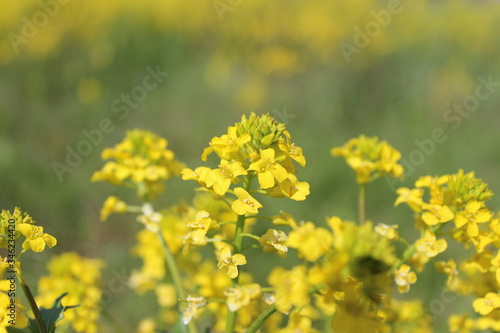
point(282, 57)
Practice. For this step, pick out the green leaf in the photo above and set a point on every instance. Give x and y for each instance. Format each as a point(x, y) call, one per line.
point(50, 318)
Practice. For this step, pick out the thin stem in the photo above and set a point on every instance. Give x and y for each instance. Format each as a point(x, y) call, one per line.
point(245, 234)
point(362, 203)
point(31, 301)
point(411, 250)
point(176, 276)
point(238, 242)
point(257, 323)
point(226, 222)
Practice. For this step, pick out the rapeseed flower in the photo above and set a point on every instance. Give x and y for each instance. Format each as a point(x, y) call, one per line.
point(230, 261)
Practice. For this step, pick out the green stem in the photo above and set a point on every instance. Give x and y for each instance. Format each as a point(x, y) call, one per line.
point(238, 242)
point(245, 234)
point(362, 203)
point(32, 302)
point(411, 250)
point(176, 276)
point(257, 323)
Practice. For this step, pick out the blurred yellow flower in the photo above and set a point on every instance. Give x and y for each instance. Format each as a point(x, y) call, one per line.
point(241, 296)
point(112, 205)
point(311, 242)
point(291, 288)
point(435, 214)
point(274, 241)
point(404, 278)
point(488, 303)
point(430, 246)
point(472, 215)
point(194, 305)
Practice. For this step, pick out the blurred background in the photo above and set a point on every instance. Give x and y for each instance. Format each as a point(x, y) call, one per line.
point(186, 70)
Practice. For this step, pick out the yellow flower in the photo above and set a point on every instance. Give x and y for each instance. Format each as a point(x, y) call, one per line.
point(404, 278)
point(495, 262)
point(431, 182)
point(436, 214)
point(291, 288)
point(430, 246)
point(291, 150)
point(228, 145)
point(36, 239)
point(412, 198)
point(147, 325)
point(388, 231)
point(149, 218)
point(230, 261)
point(290, 188)
point(80, 278)
point(311, 242)
point(199, 175)
point(298, 323)
point(166, 295)
point(141, 160)
point(471, 215)
point(273, 241)
point(222, 177)
point(268, 169)
point(194, 305)
point(370, 158)
point(487, 304)
point(461, 323)
point(449, 268)
point(6, 316)
point(245, 203)
point(112, 205)
point(241, 296)
point(200, 225)
point(388, 160)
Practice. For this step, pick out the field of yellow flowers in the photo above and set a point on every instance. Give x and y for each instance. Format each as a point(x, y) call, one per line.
point(203, 134)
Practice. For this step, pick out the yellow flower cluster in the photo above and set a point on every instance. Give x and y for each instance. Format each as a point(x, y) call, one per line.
point(257, 147)
point(16, 318)
point(80, 278)
point(456, 207)
point(16, 224)
point(370, 158)
point(195, 255)
point(141, 161)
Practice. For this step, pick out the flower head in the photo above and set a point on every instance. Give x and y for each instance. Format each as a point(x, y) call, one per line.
point(404, 278)
point(268, 169)
point(112, 205)
point(472, 215)
point(245, 202)
point(194, 305)
point(486, 304)
point(370, 158)
point(36, 239)
point(311, 242)
point(241, 296)
point(231, 261)
point(274, 241)
point(430, 246)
